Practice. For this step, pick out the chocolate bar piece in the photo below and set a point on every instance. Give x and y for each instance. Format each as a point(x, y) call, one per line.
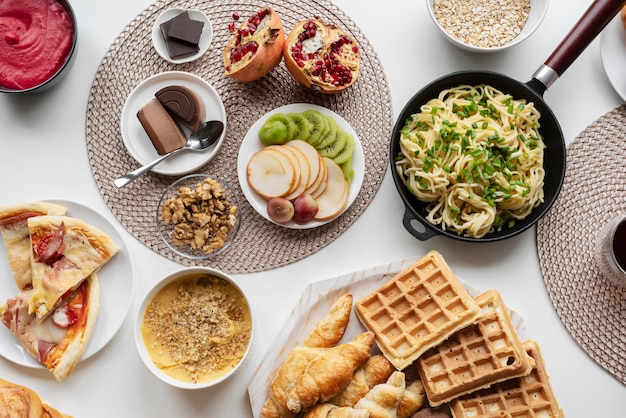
point(181, 35)
point(175, 48)
point(163, 131)
point(183, 28)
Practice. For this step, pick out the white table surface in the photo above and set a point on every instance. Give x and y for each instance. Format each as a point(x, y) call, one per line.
point(43, 156)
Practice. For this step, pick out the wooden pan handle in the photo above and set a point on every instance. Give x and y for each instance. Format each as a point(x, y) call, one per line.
point(597, 16)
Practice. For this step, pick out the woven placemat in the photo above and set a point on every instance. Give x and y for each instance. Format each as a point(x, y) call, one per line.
point(591, 307)
point(260, 245)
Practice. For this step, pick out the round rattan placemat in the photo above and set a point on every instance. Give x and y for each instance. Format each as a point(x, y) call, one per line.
point(260, 245)
point(591, 307)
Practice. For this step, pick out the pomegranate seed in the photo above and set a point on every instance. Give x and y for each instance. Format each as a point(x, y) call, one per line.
point(231, 27)
point(235, 15)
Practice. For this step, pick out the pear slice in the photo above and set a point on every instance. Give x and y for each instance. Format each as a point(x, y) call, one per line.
point(304, 169)
point(270, 175)
point(318, 187)
point(313, 157)
point(334, 198)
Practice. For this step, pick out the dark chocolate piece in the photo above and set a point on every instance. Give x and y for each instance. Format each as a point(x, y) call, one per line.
point(181, 35)
point(176, 48)
point(183, 28)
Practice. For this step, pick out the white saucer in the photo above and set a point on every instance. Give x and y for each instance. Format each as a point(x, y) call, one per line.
point(136, 139)
point(252, 144)
point(159, 42)
point(613, 52)
point(116, 291)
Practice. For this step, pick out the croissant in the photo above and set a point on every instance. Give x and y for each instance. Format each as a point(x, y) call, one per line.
point(20, 401)
point(329, 330)
point(412, 400)
point(293, 366)
point(374, 372)
point(330, 373)
point(383, 400)
point(328, 410)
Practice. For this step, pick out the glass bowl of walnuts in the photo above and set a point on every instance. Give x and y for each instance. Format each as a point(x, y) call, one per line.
point(198, 216)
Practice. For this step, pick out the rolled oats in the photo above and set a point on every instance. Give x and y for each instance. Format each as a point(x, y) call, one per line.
point(482, 23)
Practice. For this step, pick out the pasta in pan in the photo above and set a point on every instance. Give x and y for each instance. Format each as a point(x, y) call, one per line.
point(475, 155)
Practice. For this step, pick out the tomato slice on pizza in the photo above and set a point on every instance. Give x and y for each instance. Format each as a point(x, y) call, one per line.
point(65, 251)
point(14, 230)
point(59, 341)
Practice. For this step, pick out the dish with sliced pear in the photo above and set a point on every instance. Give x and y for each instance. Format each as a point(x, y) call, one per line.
point(294, 170)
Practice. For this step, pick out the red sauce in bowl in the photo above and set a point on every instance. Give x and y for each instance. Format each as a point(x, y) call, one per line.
point(35, 40)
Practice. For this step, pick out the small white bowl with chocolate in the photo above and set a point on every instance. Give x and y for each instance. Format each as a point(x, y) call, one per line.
point(161, 112)
point(194, 328)
point(181, 35)
point(487, 26)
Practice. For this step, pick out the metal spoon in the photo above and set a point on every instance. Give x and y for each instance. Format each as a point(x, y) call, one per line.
point(199, 140)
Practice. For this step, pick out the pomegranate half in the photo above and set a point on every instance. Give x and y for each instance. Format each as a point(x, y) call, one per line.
point(256, 47)
point(322, 56)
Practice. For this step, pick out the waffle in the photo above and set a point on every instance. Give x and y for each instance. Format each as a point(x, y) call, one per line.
point(417, 309)
point(527, 397)
point(476, 357)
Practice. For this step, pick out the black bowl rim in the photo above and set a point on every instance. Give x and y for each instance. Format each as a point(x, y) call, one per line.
point(61, 72)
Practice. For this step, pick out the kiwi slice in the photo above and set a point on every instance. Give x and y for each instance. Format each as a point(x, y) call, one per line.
point(330, 135)
point(348, 170)
point(303, 126)
point(273, 132)
point(320, 125)
point(332, 150)
point(346, 153)
point(287, 121)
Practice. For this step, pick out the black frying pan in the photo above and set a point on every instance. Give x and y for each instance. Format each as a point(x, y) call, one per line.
point(599, 14)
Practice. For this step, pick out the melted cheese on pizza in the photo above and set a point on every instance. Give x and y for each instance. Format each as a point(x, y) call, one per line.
point(62, 260)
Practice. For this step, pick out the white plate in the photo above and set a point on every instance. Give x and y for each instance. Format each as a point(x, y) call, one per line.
point(613, 52)
point(116, 291)
point(136, 139)
point(159, 42)
point(315, 303)
point(252, 144)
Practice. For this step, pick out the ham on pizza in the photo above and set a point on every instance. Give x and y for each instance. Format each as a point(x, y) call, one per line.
point(14, 230)
point(65, 251)
point(59, 341)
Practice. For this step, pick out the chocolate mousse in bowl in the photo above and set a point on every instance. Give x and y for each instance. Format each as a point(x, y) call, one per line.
point(37, 44)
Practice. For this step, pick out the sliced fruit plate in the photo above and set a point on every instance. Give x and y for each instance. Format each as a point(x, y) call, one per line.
point(301, 166)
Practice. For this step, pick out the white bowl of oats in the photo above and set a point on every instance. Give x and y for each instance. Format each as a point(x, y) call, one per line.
point(198, 216)
point(194, 328)
point(487, 25)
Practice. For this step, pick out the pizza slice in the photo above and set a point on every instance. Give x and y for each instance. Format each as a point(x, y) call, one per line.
point(14, 230)
point(59, 341)
point(65, 251)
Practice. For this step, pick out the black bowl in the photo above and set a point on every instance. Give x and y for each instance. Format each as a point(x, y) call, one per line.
point(60, 74)
point(550, 130)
